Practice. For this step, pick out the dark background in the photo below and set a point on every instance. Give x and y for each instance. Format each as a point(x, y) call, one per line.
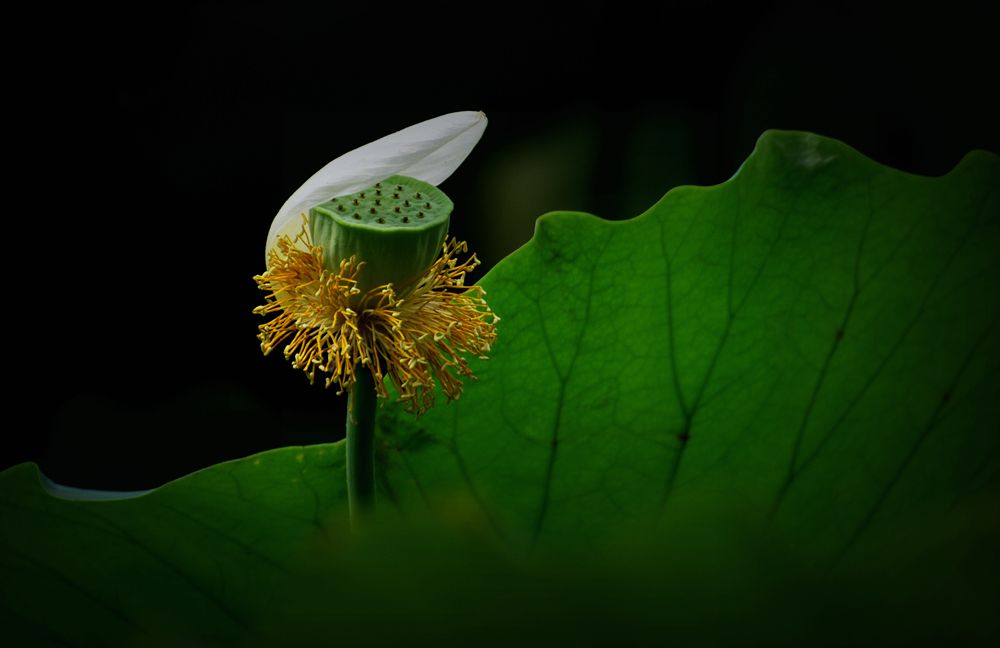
point(152, 146)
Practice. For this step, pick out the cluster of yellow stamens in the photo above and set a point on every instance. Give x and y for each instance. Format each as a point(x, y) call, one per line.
point(413, 334)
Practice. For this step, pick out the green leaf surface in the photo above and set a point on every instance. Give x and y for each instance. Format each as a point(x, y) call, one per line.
point(814, 342)
point(197, 557)
point(712, 411)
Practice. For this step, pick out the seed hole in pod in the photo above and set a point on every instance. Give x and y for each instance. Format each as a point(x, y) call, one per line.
point(399, 188)
point(378, 202)
point(340, 208)
point(381, 220)
point(355, 202)
point(427, 205)
point(378, 193)
point(420, 214)
point(378, 185)
point(406, 219)
point(371, 211)
point(396, 196)
point(407, 203)
point(396, 210)
point(418, 196)
point(357, 215)
point(362, 195)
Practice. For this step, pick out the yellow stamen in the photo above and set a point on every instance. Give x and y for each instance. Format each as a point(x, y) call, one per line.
point(414, 336)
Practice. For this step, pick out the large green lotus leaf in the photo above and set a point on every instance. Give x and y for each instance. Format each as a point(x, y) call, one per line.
point(813, 342)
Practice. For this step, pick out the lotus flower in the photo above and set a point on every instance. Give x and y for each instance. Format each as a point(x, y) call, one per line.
point(361, 277)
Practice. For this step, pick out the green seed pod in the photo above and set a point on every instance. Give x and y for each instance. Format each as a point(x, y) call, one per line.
point(396, 227)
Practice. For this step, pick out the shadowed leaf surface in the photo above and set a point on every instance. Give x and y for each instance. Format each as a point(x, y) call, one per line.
point(197, 557)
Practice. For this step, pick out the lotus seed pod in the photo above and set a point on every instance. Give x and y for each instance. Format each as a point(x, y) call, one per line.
point(396, 227)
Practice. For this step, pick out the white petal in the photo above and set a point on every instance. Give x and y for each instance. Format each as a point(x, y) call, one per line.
point(428, 151)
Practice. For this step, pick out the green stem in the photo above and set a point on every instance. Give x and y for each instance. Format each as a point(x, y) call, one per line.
point(361, 447)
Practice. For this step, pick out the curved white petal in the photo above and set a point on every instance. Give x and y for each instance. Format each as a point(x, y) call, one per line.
point(428, 151)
